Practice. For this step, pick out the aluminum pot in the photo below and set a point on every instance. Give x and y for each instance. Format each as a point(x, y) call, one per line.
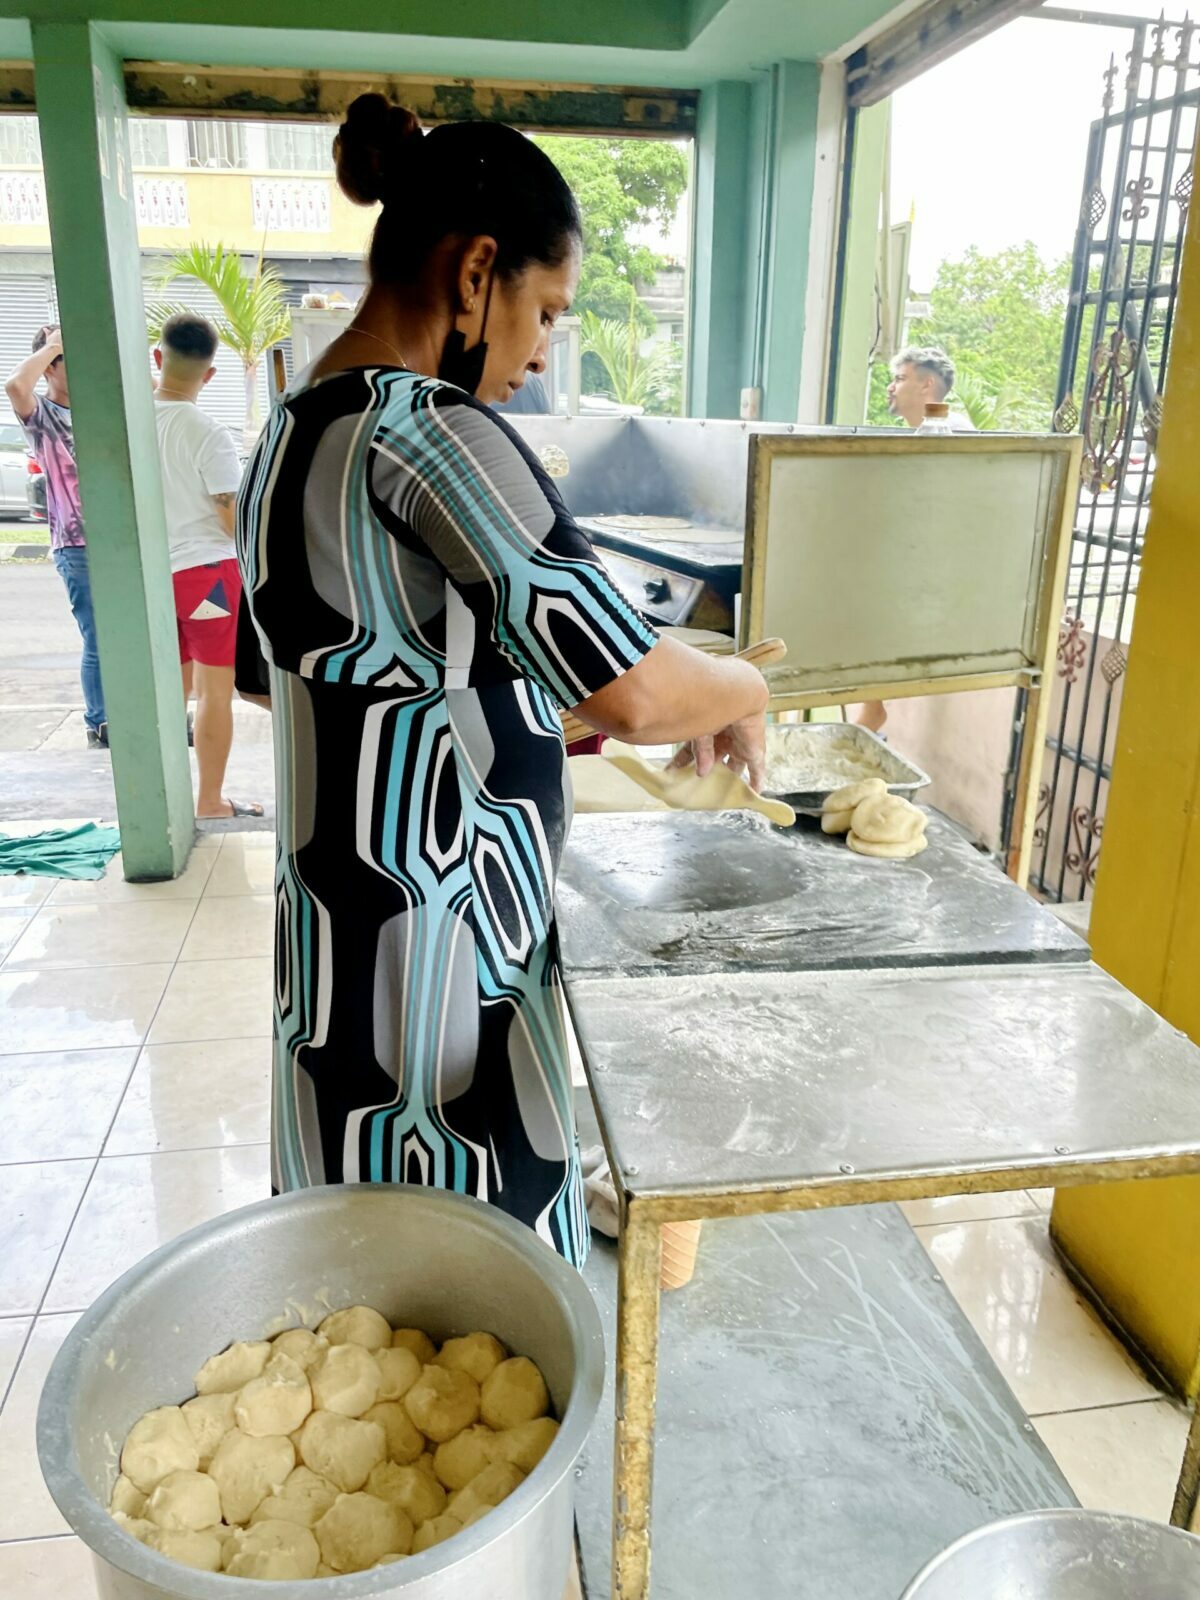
point(424, 1258)
point(1065, 1555)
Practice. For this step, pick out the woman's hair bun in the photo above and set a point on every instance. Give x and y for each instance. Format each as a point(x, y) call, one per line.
point(373, 147)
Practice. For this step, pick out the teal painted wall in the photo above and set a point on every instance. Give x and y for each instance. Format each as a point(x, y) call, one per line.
point(89, 194)
point(791, 157)
point(720, 256)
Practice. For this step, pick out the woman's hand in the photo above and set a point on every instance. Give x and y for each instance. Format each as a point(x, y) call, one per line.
point(742, 747)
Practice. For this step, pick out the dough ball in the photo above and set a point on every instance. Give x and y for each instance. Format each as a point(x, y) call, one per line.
point(357, 1325)
point(436, 1531)
point(304, 1498)
point(360, 1528)
point(515, 1392)
point(341, 1449)
point(185, 1502)
point(494, 1483)
point(853, 794)
point(477, 1354)
point(464, 1457)
point(139, 1528)
point(127, 1499)
point(200, 1550)
point(247, 1470)
point(233, 1368)
point(386, 1561)
point(278, 1550)
point(443, 1403)
point(399, 1369)
point(425, 1462)
point(325, 1572)
point(346, 1380)
point(525, 1445)
point(888, 852)
point(836, 821)
point(210, 1417)
point(161, 1442)
point(278, 1402)
point(405, 1441)
point(414, 1491)
point(421, 1345)
point(887, 819)
point(302, 1344)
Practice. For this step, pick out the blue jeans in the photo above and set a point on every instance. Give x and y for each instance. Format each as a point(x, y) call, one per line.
point(71, 562)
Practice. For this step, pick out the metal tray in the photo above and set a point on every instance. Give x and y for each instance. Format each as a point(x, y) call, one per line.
point(835, 740)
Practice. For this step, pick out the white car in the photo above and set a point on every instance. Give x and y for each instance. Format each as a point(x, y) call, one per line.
point(14, 472)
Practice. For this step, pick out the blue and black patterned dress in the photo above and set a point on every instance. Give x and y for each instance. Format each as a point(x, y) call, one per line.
point(425, 602)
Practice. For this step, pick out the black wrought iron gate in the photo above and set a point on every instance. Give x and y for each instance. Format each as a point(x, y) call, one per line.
point(1111, 383)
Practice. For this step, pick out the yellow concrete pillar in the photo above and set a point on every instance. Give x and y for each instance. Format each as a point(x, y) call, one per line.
point(1137, 1245)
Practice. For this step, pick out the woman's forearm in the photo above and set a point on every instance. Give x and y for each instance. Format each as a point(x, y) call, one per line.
point(676, 693)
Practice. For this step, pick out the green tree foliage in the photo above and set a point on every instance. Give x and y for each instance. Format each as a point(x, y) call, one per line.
point(619, 184)
point(634, 377)
point(251, 314)
point(1000, 318)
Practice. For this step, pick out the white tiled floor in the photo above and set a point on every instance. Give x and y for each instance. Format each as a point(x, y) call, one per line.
point(134, 1069)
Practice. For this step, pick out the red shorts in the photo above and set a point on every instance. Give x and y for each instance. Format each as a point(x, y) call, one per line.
point(206, 610)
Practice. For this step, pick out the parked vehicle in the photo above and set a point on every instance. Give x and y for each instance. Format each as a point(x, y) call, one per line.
point(14, 474)
point(35, 490)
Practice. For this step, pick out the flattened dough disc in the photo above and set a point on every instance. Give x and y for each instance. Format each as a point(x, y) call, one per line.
point(681, 789)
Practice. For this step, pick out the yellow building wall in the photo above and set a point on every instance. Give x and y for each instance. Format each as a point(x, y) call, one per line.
point(220, 208)
point(1137, 1245)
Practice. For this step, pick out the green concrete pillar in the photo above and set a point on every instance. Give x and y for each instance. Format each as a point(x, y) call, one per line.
point(790, 152)
point(721, 251)
point(859, 317)
point(89, 196)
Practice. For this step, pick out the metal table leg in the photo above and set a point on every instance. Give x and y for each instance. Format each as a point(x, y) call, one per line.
point(637, 1383)
point(1187, 1492)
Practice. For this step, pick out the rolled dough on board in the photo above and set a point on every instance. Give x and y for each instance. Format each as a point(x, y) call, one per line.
point(681, 789)
point(601, 786)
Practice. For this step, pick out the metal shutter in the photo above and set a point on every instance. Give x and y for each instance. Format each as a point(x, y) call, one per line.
point(25, 306)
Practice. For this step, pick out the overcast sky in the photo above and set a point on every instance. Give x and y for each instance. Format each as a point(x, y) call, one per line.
point(988, 148)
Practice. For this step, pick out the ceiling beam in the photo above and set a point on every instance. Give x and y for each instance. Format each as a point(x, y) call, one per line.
point(934, 33)
point(166, 89)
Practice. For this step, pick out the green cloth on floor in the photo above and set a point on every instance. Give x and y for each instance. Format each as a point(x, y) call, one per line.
point(81, 852)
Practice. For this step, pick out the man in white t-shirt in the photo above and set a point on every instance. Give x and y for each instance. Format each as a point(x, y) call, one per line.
point(201, 476)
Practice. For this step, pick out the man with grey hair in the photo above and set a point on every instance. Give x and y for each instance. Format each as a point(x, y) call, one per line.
point(920, 374)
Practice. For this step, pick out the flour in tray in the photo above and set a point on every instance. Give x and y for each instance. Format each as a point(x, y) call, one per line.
point(825, 764)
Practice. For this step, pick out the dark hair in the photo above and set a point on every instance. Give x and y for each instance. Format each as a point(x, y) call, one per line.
point(40, 337)
point(189, 335)
point(463, 178)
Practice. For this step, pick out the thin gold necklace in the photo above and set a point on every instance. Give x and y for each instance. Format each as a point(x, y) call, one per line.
point(353, 327)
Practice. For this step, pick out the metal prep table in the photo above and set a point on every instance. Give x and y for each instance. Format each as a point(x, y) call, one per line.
point(746, 1093)
point(684, 892)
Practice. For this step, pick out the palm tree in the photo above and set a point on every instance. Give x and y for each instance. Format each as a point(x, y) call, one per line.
point(252, 316)
point(635, 377)
point(1005, 409)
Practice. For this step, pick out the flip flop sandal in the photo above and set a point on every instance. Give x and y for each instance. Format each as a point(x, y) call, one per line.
point(241, 808)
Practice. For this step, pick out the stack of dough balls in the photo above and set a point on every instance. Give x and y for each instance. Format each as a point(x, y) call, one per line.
point(315, 1454)
point(875, 822)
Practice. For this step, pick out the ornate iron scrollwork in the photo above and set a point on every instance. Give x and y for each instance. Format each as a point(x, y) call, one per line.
point(1087, 828)
point(1115, 661)
point(1066, 418)
point(1094, 207)
point(1106, 413)
point(1137, 189)
point(1041, 827)
point(1072, 648)
point(1182, 191)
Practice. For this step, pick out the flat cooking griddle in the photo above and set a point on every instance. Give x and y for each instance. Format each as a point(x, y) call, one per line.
point(673, 541)
point(687, 893)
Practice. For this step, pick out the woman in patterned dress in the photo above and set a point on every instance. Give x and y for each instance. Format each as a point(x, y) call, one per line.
point(426, 603)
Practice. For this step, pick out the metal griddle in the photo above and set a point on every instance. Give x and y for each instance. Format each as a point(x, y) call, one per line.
point(685, 893)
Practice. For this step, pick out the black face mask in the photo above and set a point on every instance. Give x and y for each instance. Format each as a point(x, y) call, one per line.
point(461, 366)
